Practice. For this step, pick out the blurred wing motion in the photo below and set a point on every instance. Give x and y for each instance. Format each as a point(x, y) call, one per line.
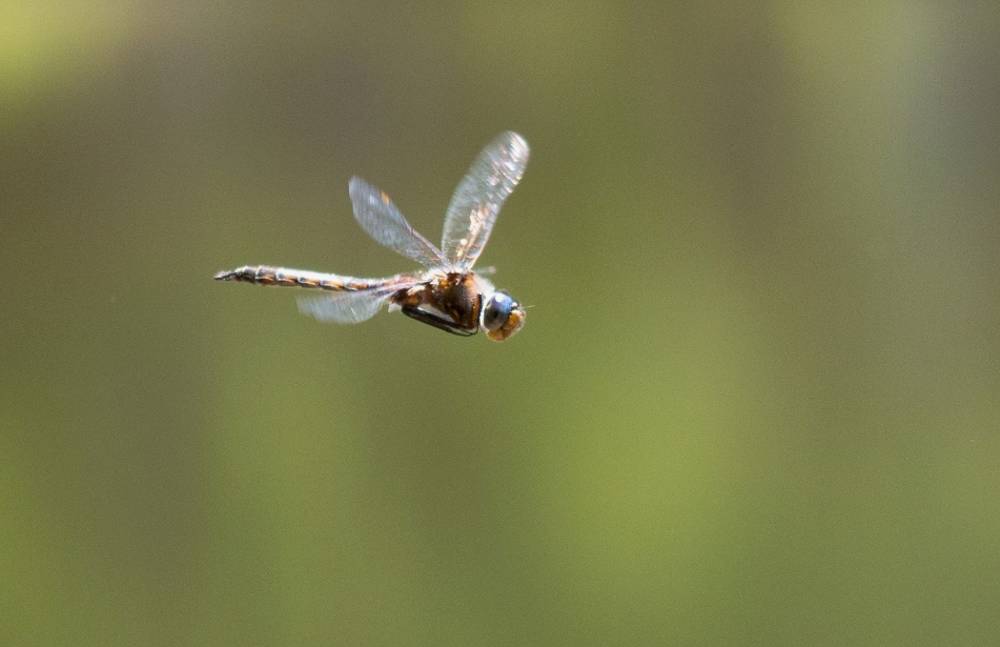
point(378, 216)
point(345, 307)
point(479, 196)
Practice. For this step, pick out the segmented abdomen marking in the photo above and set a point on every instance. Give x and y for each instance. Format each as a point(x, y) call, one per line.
point(267, 275)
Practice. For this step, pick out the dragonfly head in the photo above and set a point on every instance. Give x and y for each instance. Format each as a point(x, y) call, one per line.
point(502, 316)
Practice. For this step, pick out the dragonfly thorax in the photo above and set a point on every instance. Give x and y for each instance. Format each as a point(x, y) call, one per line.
point(463, 304)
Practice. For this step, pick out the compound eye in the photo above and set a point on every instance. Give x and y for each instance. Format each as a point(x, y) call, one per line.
point(502, 316)
point(497, 310)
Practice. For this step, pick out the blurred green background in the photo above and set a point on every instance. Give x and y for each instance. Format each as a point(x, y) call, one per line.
point(756, 401)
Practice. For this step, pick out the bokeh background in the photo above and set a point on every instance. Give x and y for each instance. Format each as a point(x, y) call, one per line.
point(755, 402)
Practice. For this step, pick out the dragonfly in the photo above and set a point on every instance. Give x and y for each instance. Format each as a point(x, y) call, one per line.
point(445, 293)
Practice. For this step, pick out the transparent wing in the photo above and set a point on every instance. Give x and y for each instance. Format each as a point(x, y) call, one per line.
point(345, 307)
point(378, 216)
point(479, 196)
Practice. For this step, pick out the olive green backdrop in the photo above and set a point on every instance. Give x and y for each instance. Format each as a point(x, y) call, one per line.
point(755, 402)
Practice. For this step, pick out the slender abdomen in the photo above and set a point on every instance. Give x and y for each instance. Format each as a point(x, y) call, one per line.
point(266, 275)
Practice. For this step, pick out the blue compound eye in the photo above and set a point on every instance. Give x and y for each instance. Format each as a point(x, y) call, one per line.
point(497, 310)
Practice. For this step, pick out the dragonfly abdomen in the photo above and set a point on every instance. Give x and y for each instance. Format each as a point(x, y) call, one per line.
point(267, 275)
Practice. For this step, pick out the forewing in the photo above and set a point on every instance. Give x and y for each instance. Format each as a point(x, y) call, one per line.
point(479, 196)
point(345, 307)
point(378, 216)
